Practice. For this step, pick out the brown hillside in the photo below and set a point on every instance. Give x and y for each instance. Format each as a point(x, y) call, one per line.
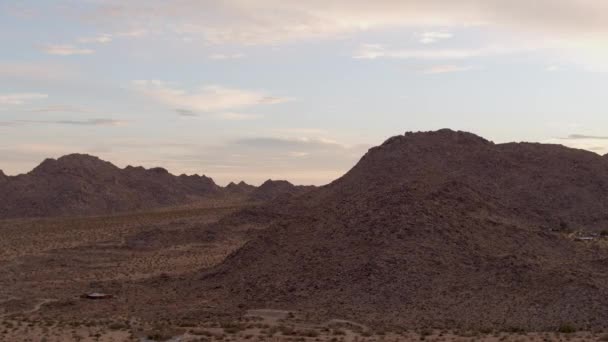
point(85, 185)
point(241, 188)
point(438, 229)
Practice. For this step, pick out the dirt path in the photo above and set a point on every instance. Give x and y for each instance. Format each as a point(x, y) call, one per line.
point(36, 307)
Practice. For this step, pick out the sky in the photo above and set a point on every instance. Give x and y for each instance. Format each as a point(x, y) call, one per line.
point(297, 90)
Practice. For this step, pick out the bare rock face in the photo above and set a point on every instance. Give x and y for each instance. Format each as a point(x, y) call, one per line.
point(3, 177)
point(437, 229)
point(80, 184)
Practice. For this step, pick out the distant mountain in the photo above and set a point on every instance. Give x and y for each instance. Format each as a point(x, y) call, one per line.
point(79, 184)
point(271, 189)
point(3, 177)
point(436, 230)
point(241, 188)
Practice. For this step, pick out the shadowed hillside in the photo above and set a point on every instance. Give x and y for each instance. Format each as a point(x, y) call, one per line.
point(79, 184)
point(438, 229)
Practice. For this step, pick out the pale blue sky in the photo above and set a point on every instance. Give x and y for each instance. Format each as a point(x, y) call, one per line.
point(296, 90)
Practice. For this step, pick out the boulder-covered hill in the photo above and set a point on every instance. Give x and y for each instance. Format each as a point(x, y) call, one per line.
point(437, 229)
point(79, 184)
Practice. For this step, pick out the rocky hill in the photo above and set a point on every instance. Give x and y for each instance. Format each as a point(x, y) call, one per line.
point(85, 185)
point(241, 188)
point(437, 230)
point(271, 189)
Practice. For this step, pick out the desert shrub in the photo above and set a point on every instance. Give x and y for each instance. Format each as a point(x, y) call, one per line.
point(117, 326)
point(287, 330)
point(566, 329)
point(339, 332)
point(232, 328)
point(515, 330)
point(310, 333)
point(201, 332)
point(159, 336)
point(366, 333)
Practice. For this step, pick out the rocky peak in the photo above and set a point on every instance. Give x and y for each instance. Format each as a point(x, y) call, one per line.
point(75, 164)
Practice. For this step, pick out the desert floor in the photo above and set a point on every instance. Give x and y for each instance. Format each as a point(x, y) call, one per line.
point(46, 265)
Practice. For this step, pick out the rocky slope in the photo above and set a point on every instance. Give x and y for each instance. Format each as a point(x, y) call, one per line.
point(437, 229)
point(85, 185)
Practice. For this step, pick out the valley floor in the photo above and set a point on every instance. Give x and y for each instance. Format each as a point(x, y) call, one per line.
point(140, 259)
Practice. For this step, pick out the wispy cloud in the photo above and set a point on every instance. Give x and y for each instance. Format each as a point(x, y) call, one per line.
point(211, 98)
point(67, 50)
point(374, 51)
point(290, 143)
point(20, 98)
point(222, 56)
point(60, 109)
point(433, 37)
point(233, 116)
point(88, 122)
point(228, 116)
point(445, 69)
point(186, 113)
point(106, 38)
point(584, 137)
point(36, 71)
point(101, 39)
point(559, 30)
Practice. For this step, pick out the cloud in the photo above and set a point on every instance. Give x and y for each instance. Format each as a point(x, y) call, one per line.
point(433, 37)
point(133, 33)
point(375, 51)
point(211, 98)
point(221, 56)
point(595, 143)
point(289, 143)
point(271, 21)
point(572, 30)
point(444, 69)
point(584, 137)
point(105, 38)
point(88, 122)
point(228, 116)
point(232, 116)
point(186, 113)
point(100, 39)
point(67, 50)
point(20, 98)
point(60, 109)
point(35, 71)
